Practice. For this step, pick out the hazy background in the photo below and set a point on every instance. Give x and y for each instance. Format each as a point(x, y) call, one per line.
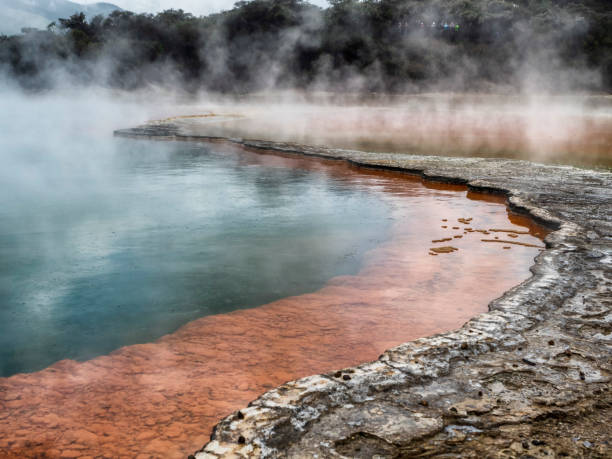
point(561, 129)
point(196, 7)
point(524, 79)
point(18, 14)
point(390, 46)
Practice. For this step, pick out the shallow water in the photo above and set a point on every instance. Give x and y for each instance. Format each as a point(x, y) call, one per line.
point(161, 399)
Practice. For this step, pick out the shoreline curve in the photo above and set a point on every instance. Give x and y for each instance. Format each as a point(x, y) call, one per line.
point(531, 376)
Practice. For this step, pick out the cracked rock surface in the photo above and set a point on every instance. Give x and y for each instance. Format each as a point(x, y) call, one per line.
point(529, 378)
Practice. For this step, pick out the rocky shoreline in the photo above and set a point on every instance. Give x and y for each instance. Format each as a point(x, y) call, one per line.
point(529, 378)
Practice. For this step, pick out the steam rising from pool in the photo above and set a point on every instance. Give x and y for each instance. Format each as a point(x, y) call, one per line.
point(107, 242)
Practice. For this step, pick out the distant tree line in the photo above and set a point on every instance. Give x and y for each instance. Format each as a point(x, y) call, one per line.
point(366, 45)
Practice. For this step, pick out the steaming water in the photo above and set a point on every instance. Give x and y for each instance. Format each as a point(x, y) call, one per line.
point(106, 242)
point(148, 236)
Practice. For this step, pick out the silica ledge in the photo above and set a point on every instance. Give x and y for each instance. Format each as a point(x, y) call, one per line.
point(531, 377)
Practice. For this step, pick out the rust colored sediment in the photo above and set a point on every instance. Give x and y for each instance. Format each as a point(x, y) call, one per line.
point(162, 399)
point(512, 231)
point(445, 249)
point(514, 242)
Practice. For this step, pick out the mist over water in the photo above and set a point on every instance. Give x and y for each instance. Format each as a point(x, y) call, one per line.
point(570, 129)
point(257, 268)
point(106, 242)
point(239, 271)
point(97, 231)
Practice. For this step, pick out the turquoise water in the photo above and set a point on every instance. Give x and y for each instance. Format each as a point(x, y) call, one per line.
point(121, 241)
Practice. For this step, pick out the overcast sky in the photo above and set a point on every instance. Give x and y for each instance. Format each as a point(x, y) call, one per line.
point(197, 7)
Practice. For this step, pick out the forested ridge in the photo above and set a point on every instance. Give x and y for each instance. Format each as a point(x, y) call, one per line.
point(354, 45)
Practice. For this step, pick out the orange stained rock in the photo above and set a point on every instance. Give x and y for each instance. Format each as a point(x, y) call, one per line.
point(445, 249)
point(512, 242)
point(162, 399)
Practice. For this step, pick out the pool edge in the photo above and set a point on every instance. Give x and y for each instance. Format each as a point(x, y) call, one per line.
point(563, 303)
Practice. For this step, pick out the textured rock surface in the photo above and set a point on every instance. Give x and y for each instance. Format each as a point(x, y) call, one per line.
point(529, 378)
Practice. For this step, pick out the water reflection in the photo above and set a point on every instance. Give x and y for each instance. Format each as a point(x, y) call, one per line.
point(161, 238)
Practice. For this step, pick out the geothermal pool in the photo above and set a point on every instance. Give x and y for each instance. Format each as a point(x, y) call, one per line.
point(186, 279)
point(168, 234)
